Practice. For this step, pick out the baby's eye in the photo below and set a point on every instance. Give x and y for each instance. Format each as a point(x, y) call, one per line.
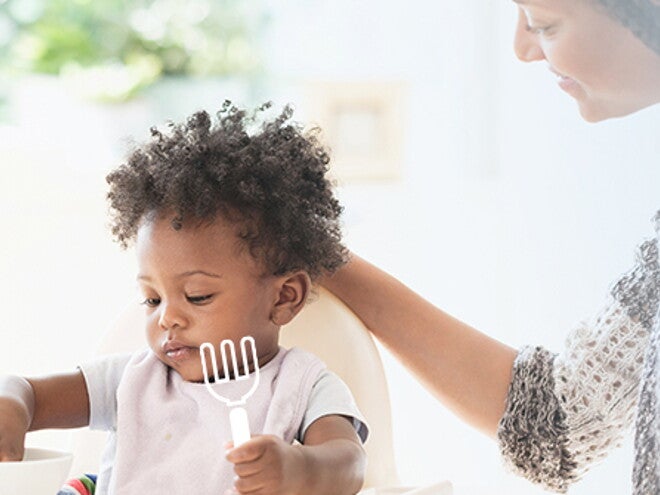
point(199, 299)
point(151, 302)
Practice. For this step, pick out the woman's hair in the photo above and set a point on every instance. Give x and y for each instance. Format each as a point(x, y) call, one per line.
point(642, 17)
point(271, 183)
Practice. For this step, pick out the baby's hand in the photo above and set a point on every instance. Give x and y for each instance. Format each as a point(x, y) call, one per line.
point(12, 431)
point(268, 465)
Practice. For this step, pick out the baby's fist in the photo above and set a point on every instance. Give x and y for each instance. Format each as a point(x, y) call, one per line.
point(267, 465)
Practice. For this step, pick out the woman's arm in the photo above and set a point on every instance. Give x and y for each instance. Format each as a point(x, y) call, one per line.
point(467, 370)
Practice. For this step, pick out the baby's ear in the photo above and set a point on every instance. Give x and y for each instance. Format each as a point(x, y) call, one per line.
point(293, 290)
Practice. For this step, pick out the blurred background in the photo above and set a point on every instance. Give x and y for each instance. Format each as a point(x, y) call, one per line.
point(464, 172)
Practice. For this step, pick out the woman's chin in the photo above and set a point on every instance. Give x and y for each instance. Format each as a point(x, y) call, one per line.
point(591, 117)
point(593, 112)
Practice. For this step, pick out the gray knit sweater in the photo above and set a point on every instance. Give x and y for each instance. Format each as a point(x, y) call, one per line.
point(567, 411)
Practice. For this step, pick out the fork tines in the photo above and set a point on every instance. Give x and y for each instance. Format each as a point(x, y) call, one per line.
point(229, 369)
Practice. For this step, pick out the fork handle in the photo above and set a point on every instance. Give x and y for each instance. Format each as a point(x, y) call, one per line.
point(240, 428)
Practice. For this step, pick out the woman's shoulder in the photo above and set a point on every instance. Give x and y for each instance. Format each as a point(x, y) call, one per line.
point(638, 290)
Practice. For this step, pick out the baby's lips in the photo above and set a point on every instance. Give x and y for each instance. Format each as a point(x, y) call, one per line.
point(173, 345)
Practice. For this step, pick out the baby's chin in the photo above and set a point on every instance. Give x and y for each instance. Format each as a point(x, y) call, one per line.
point(191, 377)
point(189, 371)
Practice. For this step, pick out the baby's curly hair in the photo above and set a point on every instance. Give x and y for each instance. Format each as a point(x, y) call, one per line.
point(272, 183)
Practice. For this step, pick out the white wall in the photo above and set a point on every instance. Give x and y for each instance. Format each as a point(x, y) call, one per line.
point(513, 214)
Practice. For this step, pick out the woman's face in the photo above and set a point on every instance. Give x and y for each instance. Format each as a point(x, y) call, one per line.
point(597, 61)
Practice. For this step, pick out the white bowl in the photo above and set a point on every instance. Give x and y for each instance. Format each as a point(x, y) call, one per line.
point(42, 472)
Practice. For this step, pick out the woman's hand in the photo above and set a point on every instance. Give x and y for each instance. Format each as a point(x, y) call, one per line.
point(467, 370)
point(268, 465)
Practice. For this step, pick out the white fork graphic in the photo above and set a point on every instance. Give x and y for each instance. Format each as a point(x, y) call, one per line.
point(240, 428)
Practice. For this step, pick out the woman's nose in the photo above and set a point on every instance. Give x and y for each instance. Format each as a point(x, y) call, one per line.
point(170, 317)
point(525, 43)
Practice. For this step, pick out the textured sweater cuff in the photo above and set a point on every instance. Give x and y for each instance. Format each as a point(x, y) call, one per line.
point(532, 433)
point(639, 291)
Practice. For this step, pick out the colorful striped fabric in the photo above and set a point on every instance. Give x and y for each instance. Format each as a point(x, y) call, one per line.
point(84, 485)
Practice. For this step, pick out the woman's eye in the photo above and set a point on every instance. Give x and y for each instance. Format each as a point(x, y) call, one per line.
point(543, 29)
point(151, 302)
point(537, 30)
point(199, 299)
point(537, 25)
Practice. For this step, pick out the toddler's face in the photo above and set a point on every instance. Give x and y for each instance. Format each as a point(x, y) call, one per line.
point(199, 284)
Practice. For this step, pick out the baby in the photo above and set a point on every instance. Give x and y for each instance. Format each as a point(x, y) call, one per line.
point(231, 228)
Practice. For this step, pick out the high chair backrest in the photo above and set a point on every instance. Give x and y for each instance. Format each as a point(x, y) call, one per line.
point(327, 328)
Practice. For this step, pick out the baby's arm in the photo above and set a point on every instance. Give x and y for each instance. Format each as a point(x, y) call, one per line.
point(337, 461)
point(55, 401)
point(331, 461)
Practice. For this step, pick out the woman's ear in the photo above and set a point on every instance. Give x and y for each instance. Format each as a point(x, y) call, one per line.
point(293, 290)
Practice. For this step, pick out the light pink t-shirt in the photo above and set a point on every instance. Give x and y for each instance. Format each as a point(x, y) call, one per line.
point(167, 435)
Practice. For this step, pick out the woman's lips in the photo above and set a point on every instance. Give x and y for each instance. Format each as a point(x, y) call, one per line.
point(567, 84)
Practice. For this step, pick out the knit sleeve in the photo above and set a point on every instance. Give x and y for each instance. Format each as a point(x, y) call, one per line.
point(566, 412)
point(532, 433)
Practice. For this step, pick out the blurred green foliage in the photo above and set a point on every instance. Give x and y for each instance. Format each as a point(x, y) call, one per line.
point(114, 48)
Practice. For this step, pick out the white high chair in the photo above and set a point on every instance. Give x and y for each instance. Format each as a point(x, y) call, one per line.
point(325, 327)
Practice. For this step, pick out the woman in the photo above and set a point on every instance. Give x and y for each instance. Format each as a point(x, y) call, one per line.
point(553, 415)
